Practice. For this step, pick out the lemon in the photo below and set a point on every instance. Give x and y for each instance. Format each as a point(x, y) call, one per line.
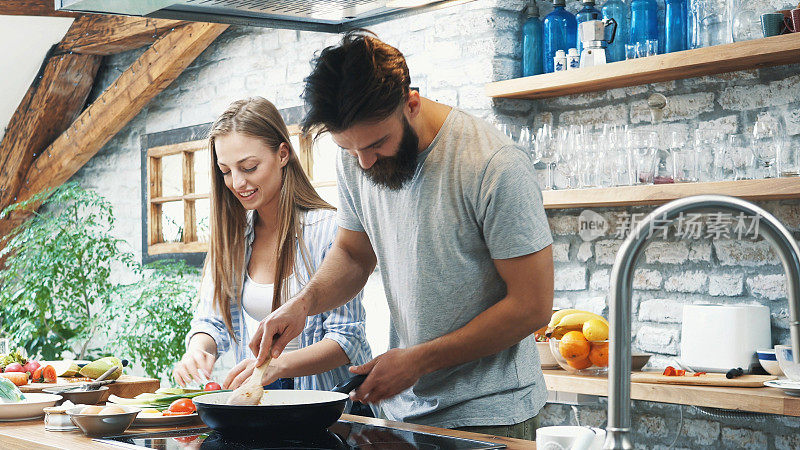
point(595, 330)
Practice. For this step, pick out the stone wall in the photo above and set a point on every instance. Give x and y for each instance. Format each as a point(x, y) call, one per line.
point(451, 53)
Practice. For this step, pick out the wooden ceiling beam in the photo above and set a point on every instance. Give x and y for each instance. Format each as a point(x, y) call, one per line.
point(52, 102)
point(109, 34)
point(32, 8)
point(155, 69)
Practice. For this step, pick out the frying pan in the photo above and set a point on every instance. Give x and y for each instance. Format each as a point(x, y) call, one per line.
point(287, 411)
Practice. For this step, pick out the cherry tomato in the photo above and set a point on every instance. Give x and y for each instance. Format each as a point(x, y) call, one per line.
point(182, 405)
point(212, 386)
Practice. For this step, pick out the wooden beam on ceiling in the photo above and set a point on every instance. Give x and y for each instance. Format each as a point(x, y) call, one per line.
point(51, 103)
point(32, 8)
point(108, 34)
point(155, 69)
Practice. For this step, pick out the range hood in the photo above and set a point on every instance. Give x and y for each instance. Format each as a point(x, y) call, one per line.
point(330, 16)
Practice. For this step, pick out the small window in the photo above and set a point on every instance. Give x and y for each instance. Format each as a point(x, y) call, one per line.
point(178, 198)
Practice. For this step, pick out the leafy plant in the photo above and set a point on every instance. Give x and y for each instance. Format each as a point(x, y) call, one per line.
point(57, 274)
point(149, 321)
point(57, 293)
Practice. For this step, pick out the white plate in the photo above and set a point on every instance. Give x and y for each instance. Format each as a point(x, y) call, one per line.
point(148, 420)
point(30, 408)
point(787, 386)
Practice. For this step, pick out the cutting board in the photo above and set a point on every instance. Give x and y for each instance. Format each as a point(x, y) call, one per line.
point(709, 379)
point(126, 386)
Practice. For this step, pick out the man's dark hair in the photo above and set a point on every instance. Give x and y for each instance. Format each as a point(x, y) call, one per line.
point(360, 80)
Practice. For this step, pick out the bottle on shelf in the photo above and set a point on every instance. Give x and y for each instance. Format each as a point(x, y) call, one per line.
point(560, 61)
point(532, 45)
point(573, 59)
point(644, 21)
point(675, 27)
point(587, 12)
point(560, 33)
point(617, 10)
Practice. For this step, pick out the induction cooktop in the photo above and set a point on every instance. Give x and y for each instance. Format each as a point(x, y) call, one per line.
point(342, 435)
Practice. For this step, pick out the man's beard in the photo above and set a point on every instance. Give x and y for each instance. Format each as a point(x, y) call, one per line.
point(394, 172)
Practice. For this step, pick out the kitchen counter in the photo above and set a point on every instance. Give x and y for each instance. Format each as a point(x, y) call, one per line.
point(761, 399)
point(31, 434)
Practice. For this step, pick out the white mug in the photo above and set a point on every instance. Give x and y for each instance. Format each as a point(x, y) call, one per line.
point(570, 438)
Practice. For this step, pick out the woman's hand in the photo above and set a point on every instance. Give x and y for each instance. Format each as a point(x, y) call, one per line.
point(242, 371)
point(196, 364)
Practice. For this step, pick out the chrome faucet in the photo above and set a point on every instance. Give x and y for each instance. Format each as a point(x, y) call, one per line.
point(619, 373)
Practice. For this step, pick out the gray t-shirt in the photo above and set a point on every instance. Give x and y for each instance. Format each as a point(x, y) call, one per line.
point(473, 198)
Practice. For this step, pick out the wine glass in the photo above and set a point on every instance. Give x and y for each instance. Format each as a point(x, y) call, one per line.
point(767, 142)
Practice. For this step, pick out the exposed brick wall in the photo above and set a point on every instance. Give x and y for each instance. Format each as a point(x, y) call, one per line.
point(451, 53)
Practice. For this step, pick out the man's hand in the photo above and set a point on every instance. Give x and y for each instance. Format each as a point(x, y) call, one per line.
point(242, 371)
point(278, 329)
point(388, 375)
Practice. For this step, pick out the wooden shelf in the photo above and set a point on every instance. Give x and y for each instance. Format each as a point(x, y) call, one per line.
point(752, 54)
point(767, 189)
point(761, 399)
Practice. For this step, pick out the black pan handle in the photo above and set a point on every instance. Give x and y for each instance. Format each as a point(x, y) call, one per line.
point(348, 385)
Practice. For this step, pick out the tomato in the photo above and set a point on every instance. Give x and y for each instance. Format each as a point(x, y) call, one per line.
point(680, 372)
point(670, 371)
point(173, 413)
point(697, 374)
point(182, 405)
point(49, 374)
point(212, 386)
point(36, 377)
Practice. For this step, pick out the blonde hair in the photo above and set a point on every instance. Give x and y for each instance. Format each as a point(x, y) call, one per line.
point(258, 118)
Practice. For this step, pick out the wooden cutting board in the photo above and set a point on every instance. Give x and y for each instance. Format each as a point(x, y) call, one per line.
point(709, 379)
point(126, 386)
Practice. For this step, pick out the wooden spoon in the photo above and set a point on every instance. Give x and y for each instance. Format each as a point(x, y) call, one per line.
point(250, 392)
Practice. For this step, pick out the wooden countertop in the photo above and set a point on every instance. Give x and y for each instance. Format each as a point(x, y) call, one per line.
point(762, 399)
point(31, 434)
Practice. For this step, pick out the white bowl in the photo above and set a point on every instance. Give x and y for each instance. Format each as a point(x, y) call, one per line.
point(30, 408)
point(769, 362)
point(546, 356)
point(784, 355)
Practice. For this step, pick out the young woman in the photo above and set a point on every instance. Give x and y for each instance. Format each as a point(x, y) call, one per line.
point(269, 232)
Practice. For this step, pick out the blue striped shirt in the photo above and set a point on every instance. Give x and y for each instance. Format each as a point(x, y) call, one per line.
point(343, 325)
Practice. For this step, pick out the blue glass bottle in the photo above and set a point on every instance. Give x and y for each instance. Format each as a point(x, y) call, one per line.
point(588, 12)
point(532, 45)
point(644, 21)
point(617, 10)
point(560, 32)
point(675, 27)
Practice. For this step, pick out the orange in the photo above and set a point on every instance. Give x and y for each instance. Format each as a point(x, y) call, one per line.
point(579, 363)
point(599, 354)
point(574, 346)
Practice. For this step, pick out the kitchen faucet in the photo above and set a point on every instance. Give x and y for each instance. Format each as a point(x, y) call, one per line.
point(619, 373)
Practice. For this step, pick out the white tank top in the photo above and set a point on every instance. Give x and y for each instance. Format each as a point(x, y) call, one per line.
point(257, 303)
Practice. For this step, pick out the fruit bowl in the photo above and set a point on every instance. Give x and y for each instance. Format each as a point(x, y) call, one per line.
point(595, 361)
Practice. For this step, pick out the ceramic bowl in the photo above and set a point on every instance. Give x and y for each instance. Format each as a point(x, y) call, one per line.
point(546, 356)
point(769, 361)
point(583, 366)
point(31, 408)
point(92, 397)
point(103, 424)
point(638, 360)
point(784, 355)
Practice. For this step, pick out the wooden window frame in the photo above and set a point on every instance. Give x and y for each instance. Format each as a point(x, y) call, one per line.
point(155, 199)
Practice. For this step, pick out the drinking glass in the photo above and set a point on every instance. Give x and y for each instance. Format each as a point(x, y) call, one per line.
point(651, 47)
point(546, 152)
point(685, 165)
point(741, 155)
point(789, 160)
point(767, 144)
point(642, 148)
point(631, 51)
point(711, 22)
point(705, 143)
